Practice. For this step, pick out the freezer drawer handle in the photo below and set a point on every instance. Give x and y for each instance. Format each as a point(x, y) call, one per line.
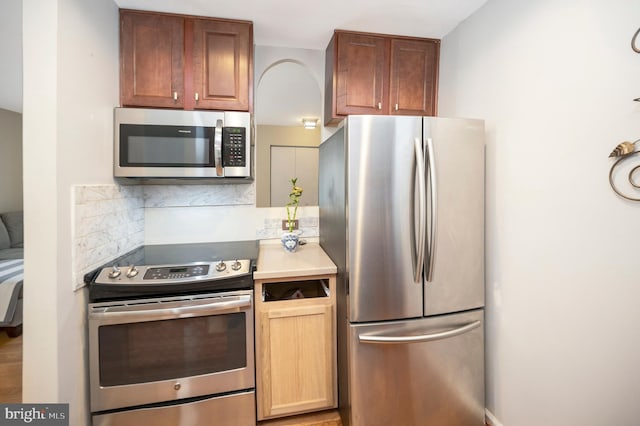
point(364, 338)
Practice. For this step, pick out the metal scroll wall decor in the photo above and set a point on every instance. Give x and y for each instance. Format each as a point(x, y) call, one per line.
point(635, 45)
point(623, 152)
point(626, 150)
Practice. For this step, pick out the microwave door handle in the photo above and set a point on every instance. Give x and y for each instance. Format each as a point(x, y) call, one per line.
point(187, 310)
point(217, 148)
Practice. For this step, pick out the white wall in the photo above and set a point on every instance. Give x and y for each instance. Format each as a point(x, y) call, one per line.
point(70, 89)
point(10, 161)
point(11, 54)
point(555, 83)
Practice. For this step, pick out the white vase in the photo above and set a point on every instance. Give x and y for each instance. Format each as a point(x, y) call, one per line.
point(289, 241)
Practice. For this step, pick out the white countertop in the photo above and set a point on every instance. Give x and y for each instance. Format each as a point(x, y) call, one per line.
point(307, 260)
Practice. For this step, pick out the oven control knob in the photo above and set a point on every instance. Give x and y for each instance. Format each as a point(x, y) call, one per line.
point(132, 272)
point(177, 386)
point(114, 273)
point(221, 266)
point(236, 265)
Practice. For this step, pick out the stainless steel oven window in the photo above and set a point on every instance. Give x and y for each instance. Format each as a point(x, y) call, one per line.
point(171, 349)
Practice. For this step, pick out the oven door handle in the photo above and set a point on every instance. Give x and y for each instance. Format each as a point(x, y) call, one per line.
point(191, 308)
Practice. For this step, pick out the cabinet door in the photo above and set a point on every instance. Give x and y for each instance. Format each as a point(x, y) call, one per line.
point(222, 59)
point(413, 77)
point(296, 361)
point(362, 79)
point(151, 61)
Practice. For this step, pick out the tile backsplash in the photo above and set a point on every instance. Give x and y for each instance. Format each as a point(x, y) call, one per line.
point(199, 195)
point(108, 222)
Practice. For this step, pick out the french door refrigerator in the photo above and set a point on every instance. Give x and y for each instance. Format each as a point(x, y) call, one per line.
point(402, 216)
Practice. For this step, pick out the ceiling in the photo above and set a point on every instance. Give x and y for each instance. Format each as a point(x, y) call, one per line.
point(309, 25)
point(284, 23)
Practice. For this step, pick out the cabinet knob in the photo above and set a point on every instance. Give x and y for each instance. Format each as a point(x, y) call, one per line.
point(197, 98)
point(175, 96)
point(396, 107)
point(379, 105)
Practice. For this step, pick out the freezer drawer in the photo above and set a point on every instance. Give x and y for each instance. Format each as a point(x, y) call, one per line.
point(427, 371)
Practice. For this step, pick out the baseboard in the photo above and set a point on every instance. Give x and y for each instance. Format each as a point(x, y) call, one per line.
point(490, 419)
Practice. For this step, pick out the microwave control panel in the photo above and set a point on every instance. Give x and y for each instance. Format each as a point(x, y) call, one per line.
point(234, 145)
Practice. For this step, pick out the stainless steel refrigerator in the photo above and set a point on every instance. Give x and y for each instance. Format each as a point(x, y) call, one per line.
point(402, 216)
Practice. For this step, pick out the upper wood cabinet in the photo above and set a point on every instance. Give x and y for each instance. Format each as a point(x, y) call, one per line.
point(222, 64)
point(151, 60)
point(176, 61)
point(413, 77)
point(378, 74)
point(361, 74)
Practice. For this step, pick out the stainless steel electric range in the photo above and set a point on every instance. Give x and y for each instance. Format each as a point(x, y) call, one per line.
point(171, 336)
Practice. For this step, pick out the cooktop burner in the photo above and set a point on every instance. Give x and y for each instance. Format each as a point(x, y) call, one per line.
point(173, 269)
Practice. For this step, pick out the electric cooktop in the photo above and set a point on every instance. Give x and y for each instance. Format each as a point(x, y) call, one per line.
point(173, 269)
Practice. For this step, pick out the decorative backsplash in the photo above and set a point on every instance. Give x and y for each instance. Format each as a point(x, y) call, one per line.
point(199, 195)
point(108, 222)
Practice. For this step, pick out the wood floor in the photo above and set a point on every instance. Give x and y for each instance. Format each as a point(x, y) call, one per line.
point(324, 418)
point(10, 368)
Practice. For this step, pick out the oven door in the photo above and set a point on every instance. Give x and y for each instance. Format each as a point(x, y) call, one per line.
point(149, 351)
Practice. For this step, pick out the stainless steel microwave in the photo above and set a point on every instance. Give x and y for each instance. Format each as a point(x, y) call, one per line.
point(156, 143)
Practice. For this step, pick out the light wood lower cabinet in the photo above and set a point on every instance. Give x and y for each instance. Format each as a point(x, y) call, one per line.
point(295, 346)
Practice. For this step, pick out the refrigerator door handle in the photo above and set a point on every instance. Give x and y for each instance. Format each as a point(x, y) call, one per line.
point(434, 208)
point(381, 339)
point(422, 199)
